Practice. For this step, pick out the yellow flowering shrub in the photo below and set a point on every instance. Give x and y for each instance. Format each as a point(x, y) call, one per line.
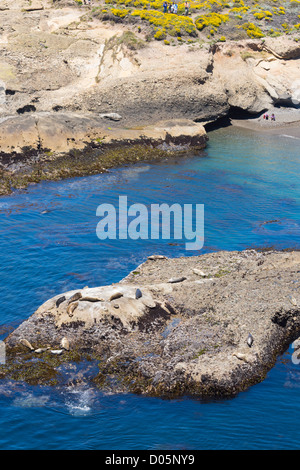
point(253, 16)
point(159, 35)
point(181, 24)
point(262, 14)
point(259, 15)
point(239, 10)
point(119, 13)
point(278, 10)
point(252, 30)
point(212, 19)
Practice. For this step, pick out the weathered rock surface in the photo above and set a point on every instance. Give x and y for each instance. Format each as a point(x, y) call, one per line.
point(65, 131)
point(54, 58)
point(70, 84)
point(283, 48)
point(188, 337)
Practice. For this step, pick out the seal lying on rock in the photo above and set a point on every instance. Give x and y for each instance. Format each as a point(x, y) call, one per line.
point(138, 294)
point(41, 350)
point(173, 280)
point(27, 344)
point(250, 340)
point(178, 338)
point(115, 296)
point(74, 297)
point(71, 307)
point(91, 299)
point(60, 301)
point(65, 343)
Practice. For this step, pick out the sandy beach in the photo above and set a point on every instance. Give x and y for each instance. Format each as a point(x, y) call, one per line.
point(287, 122)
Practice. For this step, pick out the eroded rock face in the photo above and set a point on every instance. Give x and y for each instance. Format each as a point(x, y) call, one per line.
point(70, 85)
point(60, 133)
point(175, 338)
point(282, 47)
point(56, 59)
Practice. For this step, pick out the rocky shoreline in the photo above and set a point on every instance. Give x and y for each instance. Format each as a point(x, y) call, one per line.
point(52, 147)
point(172, 327)
point(73, 86)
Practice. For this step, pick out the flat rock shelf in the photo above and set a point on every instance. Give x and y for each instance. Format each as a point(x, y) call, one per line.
point(151, 335)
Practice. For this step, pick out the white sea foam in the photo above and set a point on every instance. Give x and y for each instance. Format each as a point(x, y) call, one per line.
point(28, 400)
point(134, 172)
point(290, 136)
point(79, 401)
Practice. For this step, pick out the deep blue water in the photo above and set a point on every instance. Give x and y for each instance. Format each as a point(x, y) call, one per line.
point(49, 245)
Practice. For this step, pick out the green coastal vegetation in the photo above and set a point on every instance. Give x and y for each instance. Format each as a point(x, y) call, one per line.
point(208, 20)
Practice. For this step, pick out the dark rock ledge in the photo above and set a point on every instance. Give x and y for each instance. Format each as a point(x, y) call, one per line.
point(178, 338)
point(54, 146)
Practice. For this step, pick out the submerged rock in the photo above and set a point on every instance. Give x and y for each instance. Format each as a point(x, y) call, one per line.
point(178, 338)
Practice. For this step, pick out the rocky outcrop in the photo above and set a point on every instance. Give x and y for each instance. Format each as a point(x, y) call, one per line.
point(69, 82)
point(65, 131)
point(282, 48)
point(171, 327)
point(57, 58)
point(48, 146)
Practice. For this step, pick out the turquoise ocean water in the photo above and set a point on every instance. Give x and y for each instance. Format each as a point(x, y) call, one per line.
point(249, 185)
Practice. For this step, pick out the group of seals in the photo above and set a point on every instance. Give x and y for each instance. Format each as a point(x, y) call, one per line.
point(64, 344)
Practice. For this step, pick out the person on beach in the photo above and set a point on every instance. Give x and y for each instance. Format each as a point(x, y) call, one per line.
point(165, 5)
point(273, 117)
point(186, 8)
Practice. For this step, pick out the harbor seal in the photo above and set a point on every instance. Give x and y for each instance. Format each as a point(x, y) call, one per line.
point(57, 351)
point(60, 301)
point(65, 343)
point(176, 279)
point(75, 297)
point(117, 295)
point(250, 340)
point(91, 299)
point(71, 307)
point(138, 294)
point(27, 344)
